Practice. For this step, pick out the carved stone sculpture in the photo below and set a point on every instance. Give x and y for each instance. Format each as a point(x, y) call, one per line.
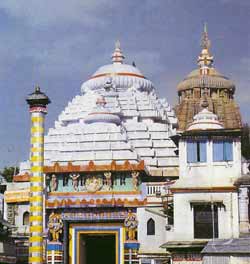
point(135, 175)
point(53, 183)
point(93, 184)
point(55, 227)
point(75, 178)
point(108, 179)
point(131, 224)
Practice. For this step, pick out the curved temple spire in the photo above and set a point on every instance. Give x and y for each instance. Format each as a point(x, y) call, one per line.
point(117, 56)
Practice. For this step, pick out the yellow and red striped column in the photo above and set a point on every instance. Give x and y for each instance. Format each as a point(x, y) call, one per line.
point(38, 108)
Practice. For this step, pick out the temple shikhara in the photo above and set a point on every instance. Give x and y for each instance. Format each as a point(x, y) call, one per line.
point(124, 178)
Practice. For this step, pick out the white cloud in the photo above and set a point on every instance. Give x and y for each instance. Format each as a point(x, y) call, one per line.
point(47, 12)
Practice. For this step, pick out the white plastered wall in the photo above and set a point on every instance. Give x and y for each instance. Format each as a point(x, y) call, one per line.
point(211, 173)
point(183, 229)
point(151, 243)
point(21, 209)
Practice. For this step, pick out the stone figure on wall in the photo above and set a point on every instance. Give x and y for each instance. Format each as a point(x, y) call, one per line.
point(108, 179)
point(109, 85)
point(131, 224)
point(223, 94)
point(135, 181)
point(188, 93)
point(206, 92)
point(55, 227)
point(75, 178)
point(47, 182)
point(53, 183)
point(93, 184)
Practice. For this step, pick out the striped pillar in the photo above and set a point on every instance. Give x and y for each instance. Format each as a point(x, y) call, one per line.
point(37, 102)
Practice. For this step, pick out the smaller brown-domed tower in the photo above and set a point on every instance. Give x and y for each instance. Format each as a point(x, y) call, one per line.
point(218, 89)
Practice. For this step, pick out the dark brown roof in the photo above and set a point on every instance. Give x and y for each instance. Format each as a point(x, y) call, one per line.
point(243, 180)
point(212, 80)
point(227, 111)
point(37, 98)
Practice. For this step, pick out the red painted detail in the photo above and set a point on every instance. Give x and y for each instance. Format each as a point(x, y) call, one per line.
point(38, 109)
point(118, 73)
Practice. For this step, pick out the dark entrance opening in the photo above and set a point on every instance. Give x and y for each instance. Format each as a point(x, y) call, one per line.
point(205, 221)
point(96, 249)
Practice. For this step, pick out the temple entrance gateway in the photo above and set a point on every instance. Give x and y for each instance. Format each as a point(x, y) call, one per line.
point(90, 243)
point(97, 248)
point(110, 238)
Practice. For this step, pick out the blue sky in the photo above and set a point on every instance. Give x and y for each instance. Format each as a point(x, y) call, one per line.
point(58, 44)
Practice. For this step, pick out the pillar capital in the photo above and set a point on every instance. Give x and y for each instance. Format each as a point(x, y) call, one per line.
point(38, 101)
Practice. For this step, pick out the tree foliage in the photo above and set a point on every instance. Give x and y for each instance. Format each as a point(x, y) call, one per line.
point(245, 141)
point(9, 172)
point(4, 233)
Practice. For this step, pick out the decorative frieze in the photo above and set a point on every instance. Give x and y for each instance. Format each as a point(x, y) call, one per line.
point(95, 214)
point(113, 166)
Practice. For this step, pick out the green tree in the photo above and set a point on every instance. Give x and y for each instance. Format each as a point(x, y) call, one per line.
point(245, 141)
point(9, 172)
point(4, 232)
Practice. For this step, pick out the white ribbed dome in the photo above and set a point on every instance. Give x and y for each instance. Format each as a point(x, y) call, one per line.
point(100, 114)
point(118, 69)
point(107, 123)
point(205, 120)
point(102, 118)
point(124, 76)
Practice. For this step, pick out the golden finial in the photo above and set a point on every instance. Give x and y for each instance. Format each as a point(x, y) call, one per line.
point(205, 59)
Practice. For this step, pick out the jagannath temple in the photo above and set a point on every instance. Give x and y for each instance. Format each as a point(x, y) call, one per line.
point(124, 178)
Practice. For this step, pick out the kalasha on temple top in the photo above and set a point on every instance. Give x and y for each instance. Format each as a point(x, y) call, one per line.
point(118, 119)
point(218, 88)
